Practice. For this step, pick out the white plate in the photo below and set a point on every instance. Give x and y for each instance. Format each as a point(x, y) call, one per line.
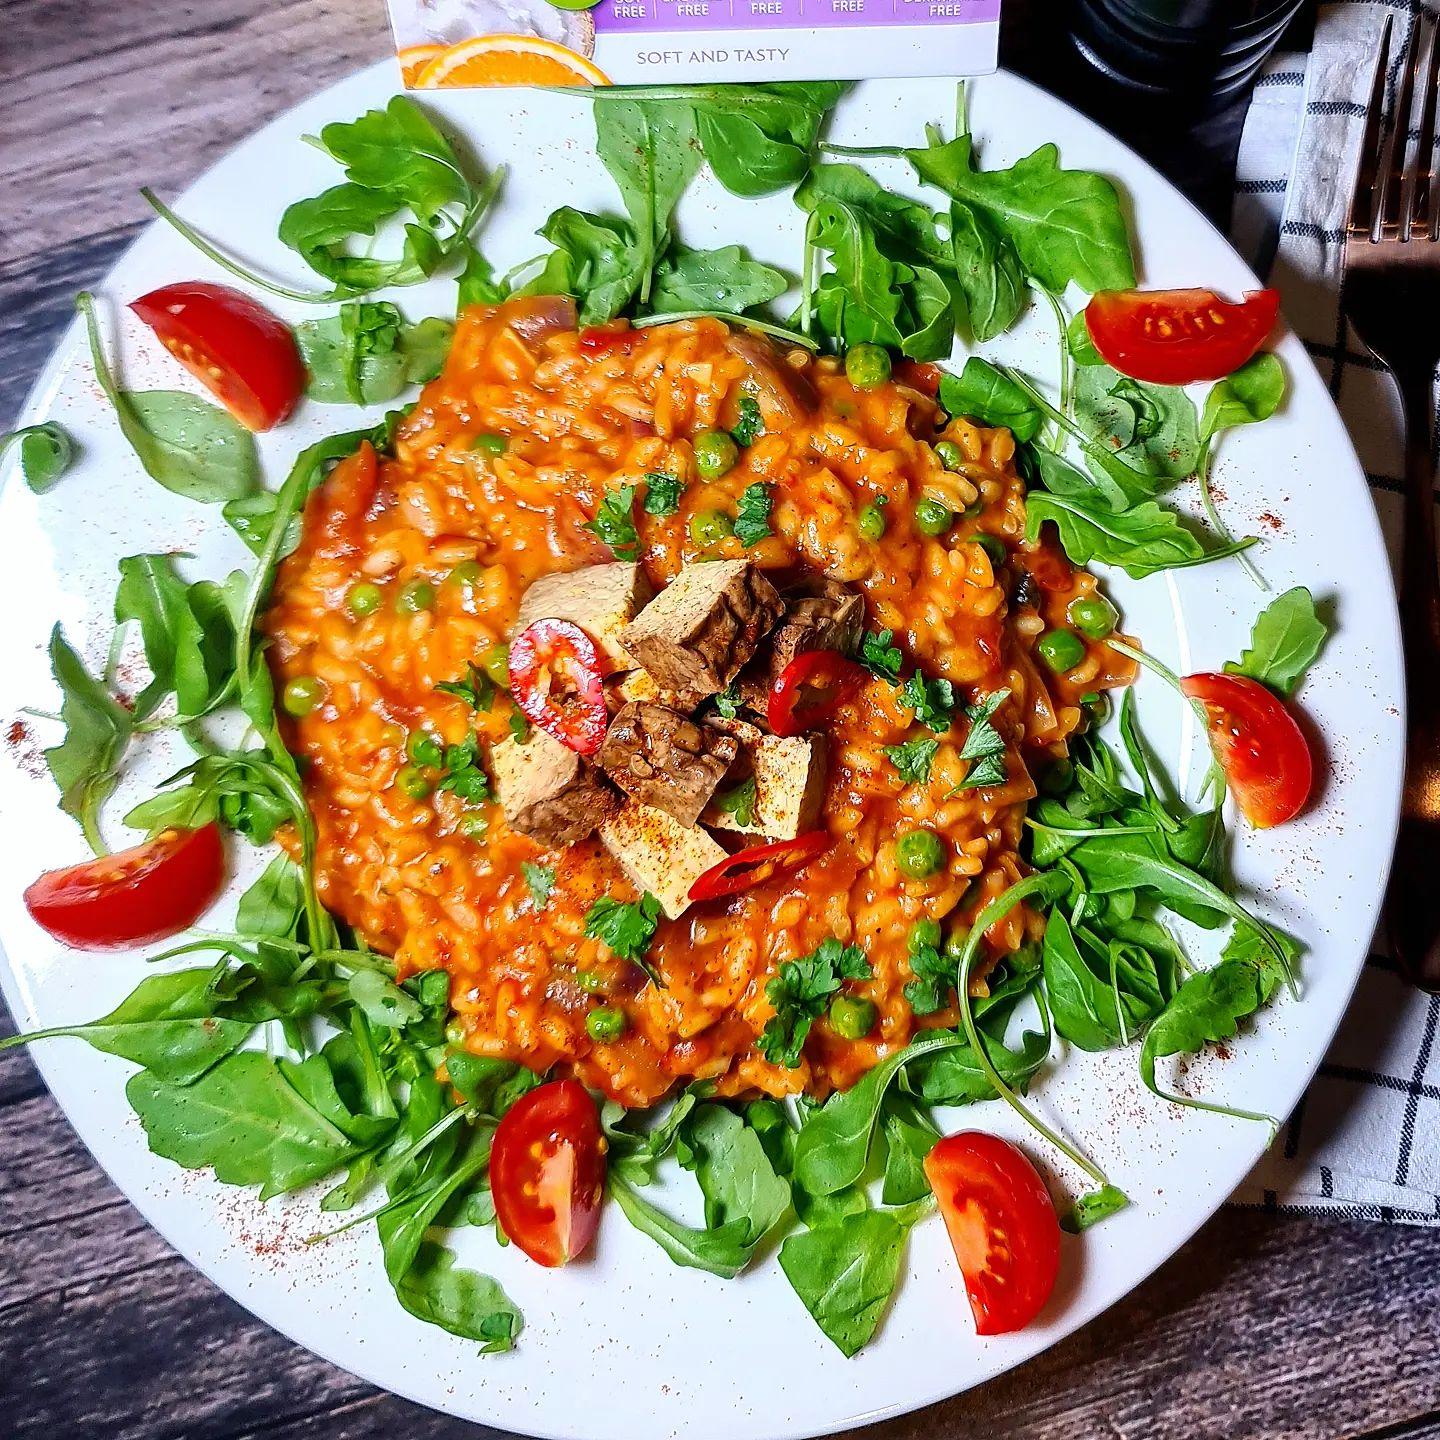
point(626, 1344)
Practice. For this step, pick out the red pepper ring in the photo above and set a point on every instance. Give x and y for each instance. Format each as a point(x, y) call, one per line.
point(541, 657)
point(607, 339)
point(828, 673)
point(757, 864)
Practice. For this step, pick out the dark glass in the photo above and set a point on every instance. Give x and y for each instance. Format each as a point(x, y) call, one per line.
point(1198, 56)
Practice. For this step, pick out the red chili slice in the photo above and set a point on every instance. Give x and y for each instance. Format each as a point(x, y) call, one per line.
point(556, 680)
point(920, 375)
point(753, 866)
point(606, 339)
point(811, 688)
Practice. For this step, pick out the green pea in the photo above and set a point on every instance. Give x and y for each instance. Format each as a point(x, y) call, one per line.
point(474, 825)
point(411, 781)
point(1056, 777)
point(710, 527)
point(606, 1023)
point(926, 932)
point(467, 572)
point(993, 546)
point(933, 517)
point(1093, 615)
point(415, 596)
point(949, 454)
point(455, 1030)
point(867, 366)
point(423, 749)
point(495, 662)
point(1061, 650)
point(302, 695)
point(715, 454)
point(488, 443)
point(919, 853)
point(592, 982)
point(852, 1017)
point(1100, 708)
point(955, 943)
point(870, 522)
point(364, 599)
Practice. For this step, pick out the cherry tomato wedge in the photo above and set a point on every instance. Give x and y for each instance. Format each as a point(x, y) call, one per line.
point(240, 352)
point(810, 690)
point(1174, 337)
point(547, 1171)
point(138, 895)
point(556, 680)
point(756, 864)
point(919, 375)
point(1002, 1226)
point(1261, 748)
point(605, 339)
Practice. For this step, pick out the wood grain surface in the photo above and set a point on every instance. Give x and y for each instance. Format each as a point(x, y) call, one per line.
point(1262, 1328)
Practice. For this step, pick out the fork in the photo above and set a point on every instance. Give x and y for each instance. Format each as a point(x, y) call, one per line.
point(1391, 291)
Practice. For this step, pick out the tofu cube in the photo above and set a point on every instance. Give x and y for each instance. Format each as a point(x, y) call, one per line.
point(697, 633)
point(789, 775)
point(659, 854)
point(546, 791)
point(600, 599)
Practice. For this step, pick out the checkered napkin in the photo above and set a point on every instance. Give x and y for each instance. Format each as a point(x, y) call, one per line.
point(1364, 1141)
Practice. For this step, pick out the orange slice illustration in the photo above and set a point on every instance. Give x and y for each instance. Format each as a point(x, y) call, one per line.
point(509, 60)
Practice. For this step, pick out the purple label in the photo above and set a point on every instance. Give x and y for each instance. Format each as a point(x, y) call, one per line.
point(642, 16)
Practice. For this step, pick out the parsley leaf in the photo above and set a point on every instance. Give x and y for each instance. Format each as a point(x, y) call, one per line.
point(519, 726)
point(540, 881)
point(614, 523)
point(752, 519)
point(984, 746)
point(800, 993)
point(662, 493)
point(913, 759)
point(738, 801)
point(933, 987)
point(751, 425)
point(933, 701)
point(464, 775)
point(477, 689)
point(727, 702)
point(879, 656)
point(626, 928)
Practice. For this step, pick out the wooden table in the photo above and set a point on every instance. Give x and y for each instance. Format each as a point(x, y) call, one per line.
point(1263, 1326)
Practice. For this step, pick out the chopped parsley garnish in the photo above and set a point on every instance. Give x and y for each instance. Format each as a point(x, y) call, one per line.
point(933, 701)
point(752, 518)
point(800, 993)
point(913, 759)
point(727, 702)
point(879, 656)
point(662, 493)
point(539, 881)
point(464, 774)
point(984, 746)
point(738, 801)
point(751, 424)
point(933, 987)
point(519, 726)
point(626, 928)
point(476, 689)
point(614, 523)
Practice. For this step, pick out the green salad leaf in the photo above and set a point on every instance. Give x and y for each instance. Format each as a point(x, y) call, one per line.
point(1286, 642)
point(46, 453)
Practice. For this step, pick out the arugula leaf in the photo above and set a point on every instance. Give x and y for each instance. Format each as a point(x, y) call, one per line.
point(988, 273)
point(1093, 1207)
point(1150, 428)
point(735, 1174)
point(649, 148)
point(478, 285)
point(724, 1251)
point(46, 453)
point(1246, 943)
point(910, 1135)
point(367, 353)
point(800, 992)
point(464, 1302)
point(626, 928)
point(913, 759)
point(614, 523)
point(185, 443)
point(879, 656)
point(662, 493)
point(382, 1001)
point(846, 1271)
point(1093, 1009)
point(759, 138)
point(981, 392)
point(752, 516)
point(1287, 638)
point(596, 260)
point(751, 424)
point(932, 700)
point(1142, 540)
point(1078, 342)
point(739, 801)
point(539, 881)
point(1251, 394)
point(726, 281)
point(1064, 224)
point(86, 763)
point(984, 746)
point(487, 1085)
